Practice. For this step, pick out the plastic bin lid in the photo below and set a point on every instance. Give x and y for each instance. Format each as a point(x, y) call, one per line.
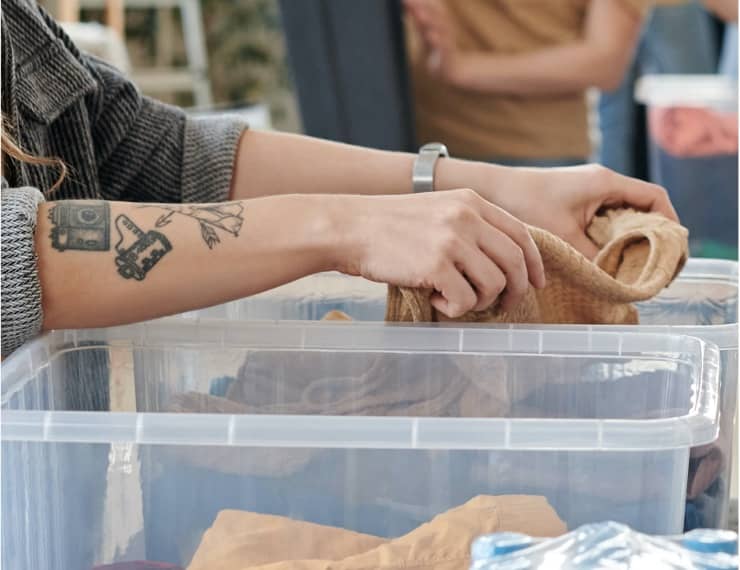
point(687, 91)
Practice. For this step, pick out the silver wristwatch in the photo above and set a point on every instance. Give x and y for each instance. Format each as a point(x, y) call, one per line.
point(426, 160)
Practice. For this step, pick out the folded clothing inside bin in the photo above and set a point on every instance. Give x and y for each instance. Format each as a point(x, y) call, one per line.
point(416, 385)
point(243, 540)
point(640, 255)
point(350, 384)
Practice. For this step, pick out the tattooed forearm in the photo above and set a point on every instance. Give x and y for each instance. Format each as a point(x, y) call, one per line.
point(227, 217)
point(85, 226)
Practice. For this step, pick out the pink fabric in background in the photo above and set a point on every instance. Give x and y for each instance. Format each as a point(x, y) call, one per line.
point(694, 132)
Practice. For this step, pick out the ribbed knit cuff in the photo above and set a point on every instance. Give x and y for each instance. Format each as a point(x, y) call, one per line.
point(22, 314)
point(208, 158)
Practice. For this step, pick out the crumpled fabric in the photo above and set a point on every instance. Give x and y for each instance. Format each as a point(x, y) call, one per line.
point(640, 254)
point(241, 540)
point(694, 131)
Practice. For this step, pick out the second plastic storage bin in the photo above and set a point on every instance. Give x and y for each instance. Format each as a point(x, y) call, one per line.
point(702, 302)
point(366, 427)
point(693, 143)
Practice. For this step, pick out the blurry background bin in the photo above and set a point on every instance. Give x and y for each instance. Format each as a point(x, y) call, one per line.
point(691, 118)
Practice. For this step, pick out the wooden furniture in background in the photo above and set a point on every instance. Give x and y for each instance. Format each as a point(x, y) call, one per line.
point(164, 77)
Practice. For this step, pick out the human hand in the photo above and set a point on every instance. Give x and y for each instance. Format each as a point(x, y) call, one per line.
point(456, 243)
point(561, 200)
point(432, 21)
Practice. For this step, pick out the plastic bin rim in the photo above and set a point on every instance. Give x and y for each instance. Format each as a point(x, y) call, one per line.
point(700, 426)
point(724, 336)
point(695, 267)
point(306, 335)
point(668, 90)
point(367, 432)
point(24, 363)
point(711, 268)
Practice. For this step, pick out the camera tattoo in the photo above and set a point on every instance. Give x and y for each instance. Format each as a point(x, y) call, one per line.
point(80, 225)
point(85, 226)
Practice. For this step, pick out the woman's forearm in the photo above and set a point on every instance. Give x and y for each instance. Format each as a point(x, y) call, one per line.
point(109, 263)
point(269, 164)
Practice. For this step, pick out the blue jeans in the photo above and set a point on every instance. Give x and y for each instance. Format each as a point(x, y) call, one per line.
point(664, 48)
point(728, 60)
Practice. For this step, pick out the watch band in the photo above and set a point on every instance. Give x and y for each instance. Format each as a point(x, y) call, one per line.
point(426, 160)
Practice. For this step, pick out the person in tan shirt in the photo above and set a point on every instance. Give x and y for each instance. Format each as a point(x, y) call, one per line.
point(505, 80)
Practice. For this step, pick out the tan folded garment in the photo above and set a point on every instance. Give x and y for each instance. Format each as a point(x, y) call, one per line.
point(640, 255)
point(335, 315)
point(242, 541)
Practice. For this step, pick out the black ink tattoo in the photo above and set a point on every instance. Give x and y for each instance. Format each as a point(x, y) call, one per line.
point(85, 225)
point(226, 217)
point(81, 225)
point(138, 252)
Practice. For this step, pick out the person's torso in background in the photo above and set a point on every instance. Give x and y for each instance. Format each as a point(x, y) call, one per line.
point(483, 126)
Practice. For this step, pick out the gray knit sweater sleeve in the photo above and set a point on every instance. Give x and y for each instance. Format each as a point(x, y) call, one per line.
point(21, 290)
point(148, 151)
point(199, 170)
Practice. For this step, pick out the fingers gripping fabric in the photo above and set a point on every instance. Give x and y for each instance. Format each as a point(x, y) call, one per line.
point(639, 255)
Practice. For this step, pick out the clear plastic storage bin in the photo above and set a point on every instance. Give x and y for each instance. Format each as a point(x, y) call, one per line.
point(702, 302)
point(693, 141)
point(363, 426)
